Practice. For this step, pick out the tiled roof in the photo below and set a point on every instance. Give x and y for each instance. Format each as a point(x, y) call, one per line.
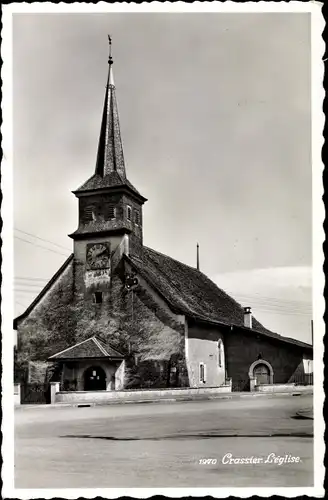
point(192, 293)
point(90, 348)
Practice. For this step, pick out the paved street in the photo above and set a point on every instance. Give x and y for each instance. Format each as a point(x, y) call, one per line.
point(161, 445)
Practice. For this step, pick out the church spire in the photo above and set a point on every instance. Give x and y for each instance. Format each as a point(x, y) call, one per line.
point(110, 152)
point(110, 171)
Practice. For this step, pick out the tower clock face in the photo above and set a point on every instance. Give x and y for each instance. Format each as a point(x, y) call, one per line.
point(98, 256)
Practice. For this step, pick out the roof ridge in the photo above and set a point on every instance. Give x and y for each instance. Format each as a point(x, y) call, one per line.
point(71, 347)
point(96, 341)
point(107, 344)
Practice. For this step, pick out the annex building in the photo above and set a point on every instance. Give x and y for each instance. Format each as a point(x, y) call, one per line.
point(118, 314)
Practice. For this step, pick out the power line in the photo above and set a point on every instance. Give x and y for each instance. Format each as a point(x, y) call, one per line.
point(26, 287)
point(42, 239)
point(274, 299)
point(286, 308)
point(44, 248)
point(289, 312)
point(282, 307)
point(258, 294)
point(32, 286)
point(285, 313)
point(20, 303)
point(21, 278)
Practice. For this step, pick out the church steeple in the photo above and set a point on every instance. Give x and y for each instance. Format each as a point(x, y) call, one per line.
point(110, 207)
point(110, 152)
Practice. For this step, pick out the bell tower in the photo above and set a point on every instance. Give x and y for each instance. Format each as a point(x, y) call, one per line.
point(110, 207)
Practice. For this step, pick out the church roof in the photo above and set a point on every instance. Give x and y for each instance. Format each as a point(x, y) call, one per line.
point(192, 293)
point(92, 347)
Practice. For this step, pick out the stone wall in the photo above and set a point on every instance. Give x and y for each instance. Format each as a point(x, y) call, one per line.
point(136, 322)
point(108, 396)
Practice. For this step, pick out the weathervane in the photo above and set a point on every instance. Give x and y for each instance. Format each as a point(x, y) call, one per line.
point(110, 59)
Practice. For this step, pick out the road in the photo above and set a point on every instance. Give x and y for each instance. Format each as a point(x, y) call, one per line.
point(161, 445)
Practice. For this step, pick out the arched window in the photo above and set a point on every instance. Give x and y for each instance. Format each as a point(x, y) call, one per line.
point(220, 353)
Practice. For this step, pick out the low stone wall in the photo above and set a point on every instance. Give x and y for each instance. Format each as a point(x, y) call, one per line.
point(283, 388)
point(137, 395)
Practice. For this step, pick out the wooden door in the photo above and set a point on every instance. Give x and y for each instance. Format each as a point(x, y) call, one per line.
point(262, 374)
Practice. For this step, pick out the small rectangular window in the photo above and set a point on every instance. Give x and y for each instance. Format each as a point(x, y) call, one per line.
point(128, 212)
point(98, 297)
point(202, 373)
point(137, 217)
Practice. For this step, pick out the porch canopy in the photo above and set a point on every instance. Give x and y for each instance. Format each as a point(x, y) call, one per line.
point(90, 365)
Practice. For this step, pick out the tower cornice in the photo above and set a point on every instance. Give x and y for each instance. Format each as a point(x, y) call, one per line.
point(111, 190)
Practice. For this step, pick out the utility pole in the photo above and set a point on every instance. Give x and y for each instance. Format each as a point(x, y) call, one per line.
point(312, 332)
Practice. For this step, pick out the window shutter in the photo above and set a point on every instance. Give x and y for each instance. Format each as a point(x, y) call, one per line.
point(110, 212)
point(88, 213)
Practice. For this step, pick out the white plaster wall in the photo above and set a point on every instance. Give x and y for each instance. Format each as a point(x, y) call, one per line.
point(203, 348)
point(308, 365)
point(119, 376)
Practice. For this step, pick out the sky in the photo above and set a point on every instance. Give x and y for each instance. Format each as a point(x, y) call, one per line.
point(216, 125)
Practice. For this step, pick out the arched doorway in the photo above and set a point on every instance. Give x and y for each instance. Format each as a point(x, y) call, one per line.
point(94, 379)
point(262, 371)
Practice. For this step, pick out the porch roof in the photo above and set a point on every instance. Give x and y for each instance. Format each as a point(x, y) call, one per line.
point(92, 347)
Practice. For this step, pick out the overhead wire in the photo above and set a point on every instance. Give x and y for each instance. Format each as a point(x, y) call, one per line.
point(42, 239)
point(261, 302)
point(40, 246)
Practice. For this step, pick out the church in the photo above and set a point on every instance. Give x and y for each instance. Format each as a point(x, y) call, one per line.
point(119, 315)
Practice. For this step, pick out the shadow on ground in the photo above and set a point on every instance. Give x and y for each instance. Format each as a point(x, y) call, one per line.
point(192, 436)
